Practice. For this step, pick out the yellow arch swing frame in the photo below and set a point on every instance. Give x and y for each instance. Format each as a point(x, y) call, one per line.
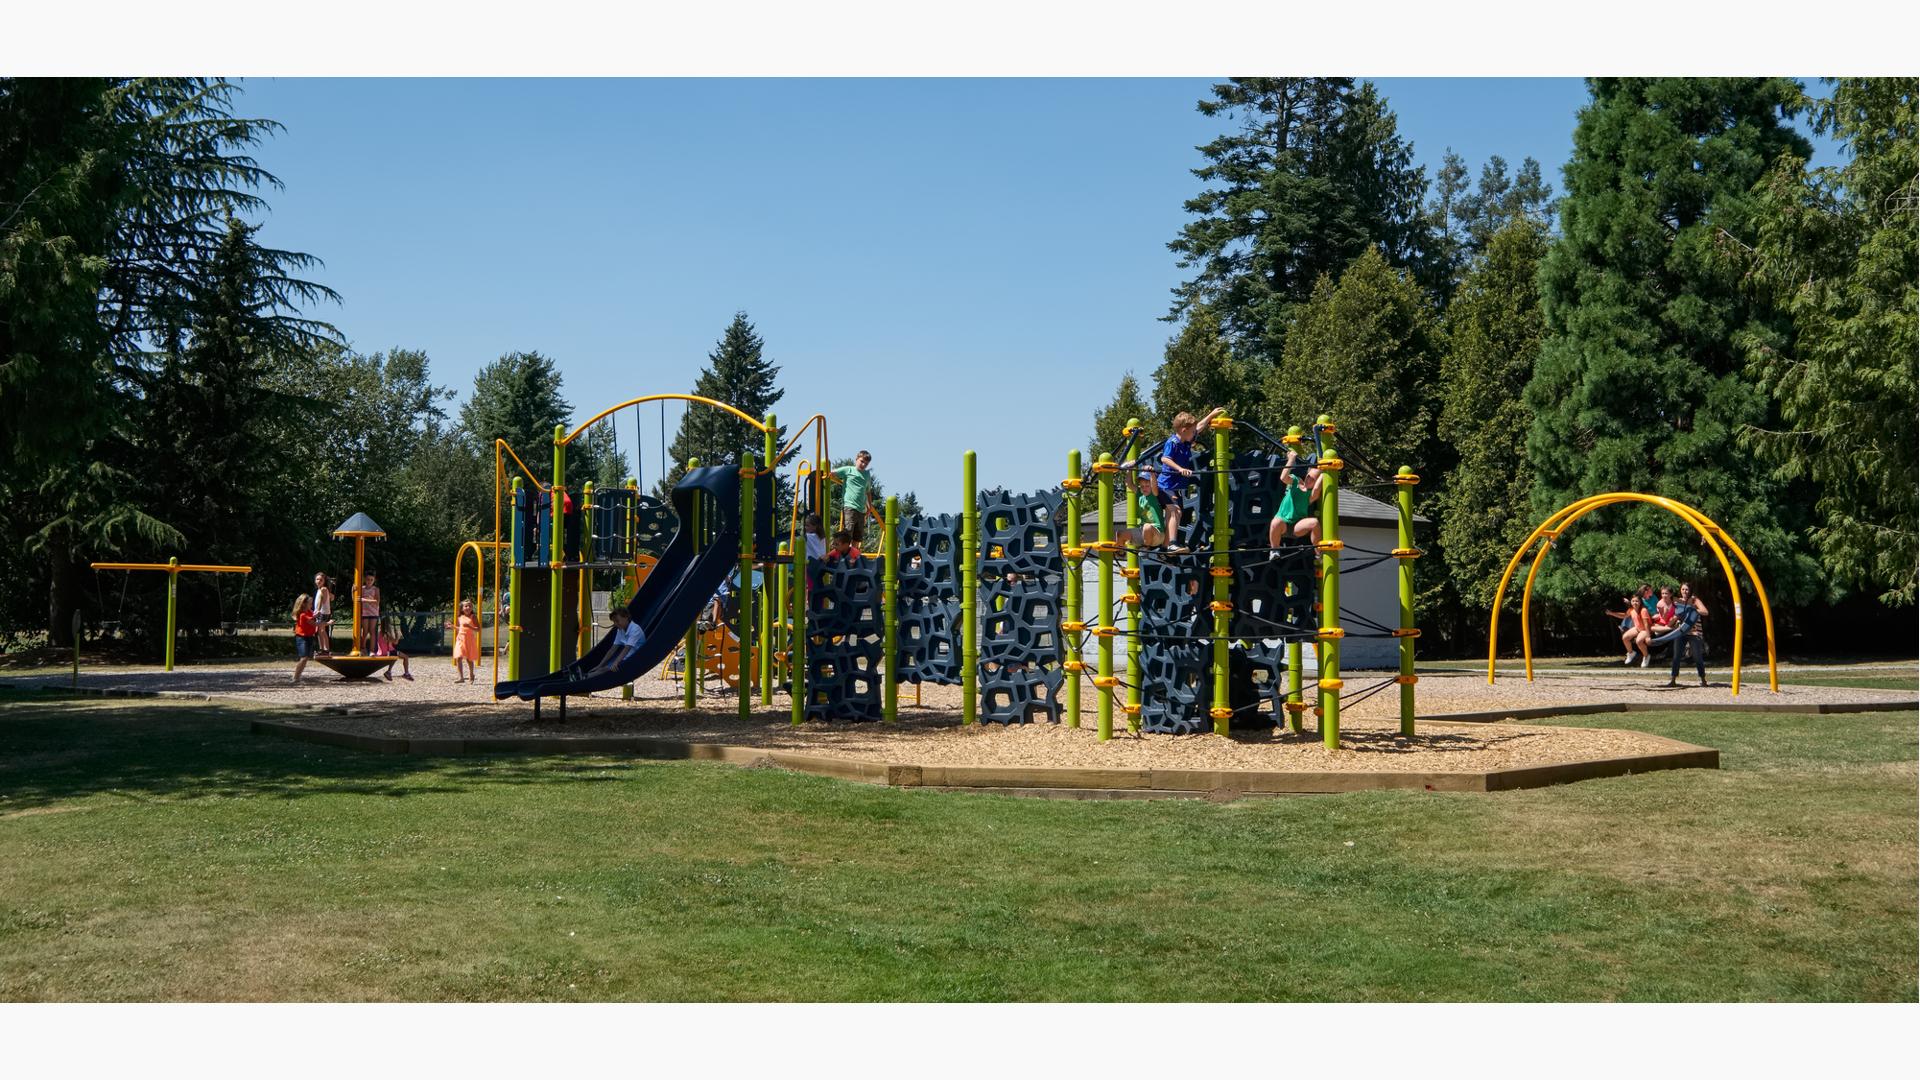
point(1563, 519)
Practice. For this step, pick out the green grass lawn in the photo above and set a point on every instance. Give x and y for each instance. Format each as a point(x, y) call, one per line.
point(154, 850)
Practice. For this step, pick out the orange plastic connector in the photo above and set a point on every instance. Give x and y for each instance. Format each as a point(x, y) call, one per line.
point(1407, 553)
point(1072, 483)
point(1406, 680)
point(1130, 709)
point(1223, 423)
point(1130, 598)
point(1106, 682)
point(1411, 631)
point(1129, 572)
point(1106, 466)
point(1328, 428)
point(1106, 631)
point(1075, 665)
point(1220, 605)
point(1332, 684)
point(1296, 706)
point(1406, 478)
point(1106, 547)
point(1071, 626)
point(1219, 571)
point(1220, 713)
point(1325, 546)
point(1332, 464)
point(1331, 633)
point(1074, 552)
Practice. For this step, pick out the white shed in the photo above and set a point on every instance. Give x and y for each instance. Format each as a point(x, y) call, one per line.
point(1370, 592)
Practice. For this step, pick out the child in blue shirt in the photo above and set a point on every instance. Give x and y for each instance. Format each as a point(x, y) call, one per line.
point(1176, 469)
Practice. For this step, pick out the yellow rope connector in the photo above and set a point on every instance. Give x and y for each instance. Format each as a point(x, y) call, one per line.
point(1106, 631)
point(1411, 631)
point(1129, 572)
point(1406, 478)
point(1130, 709)
point(1406, 680)
point(1328, 428)
point(1074, 552)
point(1407, 553)
point(1219, 571)
point(1106, 682)
point(1223, 423)
point(1130, 598)
point(1072, 626)
point(1325, 546)
point(1220, 605)
point(1106, 547)
point(1220, 712)
point(1332, 464)
point(1296, 706)
point(1071, 483)
point(1331, 633)
point(1075, 665)
point(1332, 684)
point(1106, 466)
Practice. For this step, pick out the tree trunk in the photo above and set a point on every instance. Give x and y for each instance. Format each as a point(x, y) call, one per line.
point(60, 595)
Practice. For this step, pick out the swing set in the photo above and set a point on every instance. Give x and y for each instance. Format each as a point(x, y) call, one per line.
point(173, 568)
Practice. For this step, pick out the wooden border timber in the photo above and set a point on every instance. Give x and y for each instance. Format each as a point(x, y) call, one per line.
point(1078, 783)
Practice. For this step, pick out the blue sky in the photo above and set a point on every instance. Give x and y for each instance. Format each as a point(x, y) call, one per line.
point(937, 265)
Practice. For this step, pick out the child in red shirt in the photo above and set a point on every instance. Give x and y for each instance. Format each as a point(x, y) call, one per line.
point(306, 633)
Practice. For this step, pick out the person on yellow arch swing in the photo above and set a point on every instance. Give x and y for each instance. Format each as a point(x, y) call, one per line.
point(855, 502)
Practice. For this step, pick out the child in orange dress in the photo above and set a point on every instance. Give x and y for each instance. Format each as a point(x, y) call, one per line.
point(466, 644)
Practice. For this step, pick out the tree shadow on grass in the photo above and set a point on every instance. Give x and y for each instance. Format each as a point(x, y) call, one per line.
point(54, 750)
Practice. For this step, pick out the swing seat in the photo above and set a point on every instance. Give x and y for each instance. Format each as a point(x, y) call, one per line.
point(355, 667)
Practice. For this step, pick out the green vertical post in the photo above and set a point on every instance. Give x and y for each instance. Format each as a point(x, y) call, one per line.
point(1295, 704)
point(633, 559)
point(1330, 684)
point(690, 652)
point(1073, 568)
point(556, 572)
point(749, 659)
point(969, 590)
point(1133, 590)
point(1103, 505)
point(797, 651)
point(890, 597)
point(173, 596)
point(769, 460)
point(1403, 483)
point(513, 588)
point(1220, 571)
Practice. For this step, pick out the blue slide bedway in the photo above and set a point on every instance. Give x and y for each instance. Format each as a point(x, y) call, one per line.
point(675, 592)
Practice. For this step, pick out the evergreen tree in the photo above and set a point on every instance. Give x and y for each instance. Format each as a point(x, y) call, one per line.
point(1493, 330)
point(1315, 174)
point(1199, 372)
point(517, 398)
point(1363, 351)
point(1836, 247)
point(739, 374)
point(1639, 385)
point(1500, 200)
point(1445, 214)
point(1110, 422)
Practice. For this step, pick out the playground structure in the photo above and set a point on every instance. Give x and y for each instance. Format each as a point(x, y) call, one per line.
point(1209, 632)
point(1561, 520)
point(357, 665)
point(173, 568)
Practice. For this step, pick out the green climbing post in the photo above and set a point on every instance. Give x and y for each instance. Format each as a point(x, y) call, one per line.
point(969, 590)
point(1403, 484)
point(1132, 598)
point(633, 559)
point(557, 554)
point(1221, 570)
point(690, 663)
point(744, 614)
point(797, 650)
point(890, 597)
point(173, 597)
point(1103, 685)
point(1295, 705)
point(768, 458)
point(1330, 545)
point(1073, 566)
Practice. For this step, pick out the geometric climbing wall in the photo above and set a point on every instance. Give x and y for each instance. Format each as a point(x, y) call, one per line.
point(1021, 570)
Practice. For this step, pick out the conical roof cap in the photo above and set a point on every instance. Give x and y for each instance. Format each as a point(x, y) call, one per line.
point(360, 525)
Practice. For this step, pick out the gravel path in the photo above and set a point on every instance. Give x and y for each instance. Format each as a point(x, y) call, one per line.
point(433, 705)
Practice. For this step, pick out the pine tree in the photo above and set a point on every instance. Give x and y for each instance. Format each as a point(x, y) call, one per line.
point(1500, 200)
point(1836, 248)
point(1363, 351)
point(517, 398)
point(1445, 213)
point(1110, 422)
point(1640, 385)
point(1483, 504)
point(1199, 372)
point(739, 374)
point(1316, 173)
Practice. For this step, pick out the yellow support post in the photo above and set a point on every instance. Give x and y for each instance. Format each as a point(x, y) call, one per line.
point(1073, 568)
point(1104, 684)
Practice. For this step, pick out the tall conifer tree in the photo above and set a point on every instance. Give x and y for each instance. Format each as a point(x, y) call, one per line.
point(1640, 384)
point(738, 373)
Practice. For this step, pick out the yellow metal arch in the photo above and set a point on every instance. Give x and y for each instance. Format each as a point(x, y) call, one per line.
point(1562, 519)
point(695, 398)
point(479, 549)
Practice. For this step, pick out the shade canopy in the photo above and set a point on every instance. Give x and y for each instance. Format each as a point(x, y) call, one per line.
point(360, 525)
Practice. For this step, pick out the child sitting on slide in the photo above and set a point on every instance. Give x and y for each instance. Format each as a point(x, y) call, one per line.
point(627, 639)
